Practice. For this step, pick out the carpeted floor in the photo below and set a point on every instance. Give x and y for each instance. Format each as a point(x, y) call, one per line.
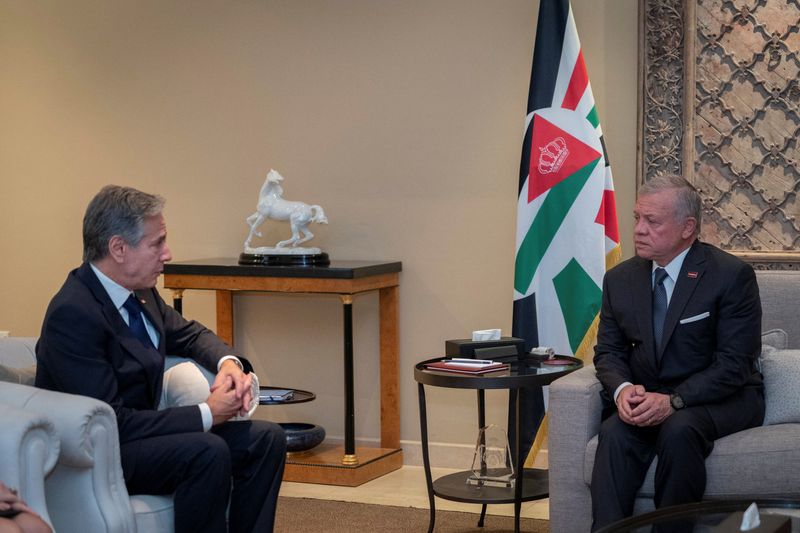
point(297, 515)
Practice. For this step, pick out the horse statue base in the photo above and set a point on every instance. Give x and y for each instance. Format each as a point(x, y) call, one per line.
point(272, 256)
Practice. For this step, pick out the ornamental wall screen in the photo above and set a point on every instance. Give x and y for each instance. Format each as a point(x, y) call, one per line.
point(721, 105)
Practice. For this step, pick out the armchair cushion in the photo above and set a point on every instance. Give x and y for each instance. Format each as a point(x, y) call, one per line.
point(184, 384)
point(781, 370)
point(23, 376)
point(774, 339)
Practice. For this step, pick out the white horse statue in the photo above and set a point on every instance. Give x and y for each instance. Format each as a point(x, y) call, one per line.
point(272, 205)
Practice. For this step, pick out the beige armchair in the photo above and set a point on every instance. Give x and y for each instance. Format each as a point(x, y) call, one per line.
point(85, 490)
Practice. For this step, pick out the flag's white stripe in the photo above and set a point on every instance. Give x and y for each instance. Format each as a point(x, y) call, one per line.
point(569, 54)
point(586, 103)
point(609, 180)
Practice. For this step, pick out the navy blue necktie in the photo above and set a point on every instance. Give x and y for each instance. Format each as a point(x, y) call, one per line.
point(135, 320)
point(659, 306)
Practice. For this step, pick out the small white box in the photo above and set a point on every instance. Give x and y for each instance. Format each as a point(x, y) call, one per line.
point(486, 335)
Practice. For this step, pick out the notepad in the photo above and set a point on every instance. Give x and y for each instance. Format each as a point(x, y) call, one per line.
point(460, 367)
point(275, 395)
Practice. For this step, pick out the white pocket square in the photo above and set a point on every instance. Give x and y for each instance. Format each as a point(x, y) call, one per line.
point(695, 318)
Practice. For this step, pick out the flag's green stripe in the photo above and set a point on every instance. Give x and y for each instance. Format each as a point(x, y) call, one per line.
point(579, 298)
point(545, 225)
point(592, 117)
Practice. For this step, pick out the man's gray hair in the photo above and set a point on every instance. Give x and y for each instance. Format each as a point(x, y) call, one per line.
point(119, 211)
point(687, 204)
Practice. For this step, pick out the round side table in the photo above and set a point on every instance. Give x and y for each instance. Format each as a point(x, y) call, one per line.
point(529, 484)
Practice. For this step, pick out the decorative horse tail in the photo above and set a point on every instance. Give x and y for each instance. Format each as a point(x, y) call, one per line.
point(319, 215)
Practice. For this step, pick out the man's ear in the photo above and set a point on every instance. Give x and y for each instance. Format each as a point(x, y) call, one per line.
point(117, 248)
point(689, 227)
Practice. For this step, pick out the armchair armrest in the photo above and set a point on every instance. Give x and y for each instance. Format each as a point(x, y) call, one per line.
point(29, 448)
point(86, 490)
point(574, 419)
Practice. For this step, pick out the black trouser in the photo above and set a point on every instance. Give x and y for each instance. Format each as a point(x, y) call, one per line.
point(682, 443)
point(199, 469)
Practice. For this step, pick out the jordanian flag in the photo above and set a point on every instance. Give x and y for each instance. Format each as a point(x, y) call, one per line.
point(567, 233)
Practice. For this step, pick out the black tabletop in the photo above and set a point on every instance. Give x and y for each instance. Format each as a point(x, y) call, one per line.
point(522, 373)
point(299, 396)
point(712, 515)
point(229, 266)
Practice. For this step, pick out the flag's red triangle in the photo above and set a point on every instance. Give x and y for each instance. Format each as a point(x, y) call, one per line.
point(607, 215)
point(555, 155)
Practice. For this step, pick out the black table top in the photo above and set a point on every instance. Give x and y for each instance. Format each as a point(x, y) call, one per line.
point(229, 266)
point(535, 485)
point(300, 396)
point(520, 374)
point(708, 513)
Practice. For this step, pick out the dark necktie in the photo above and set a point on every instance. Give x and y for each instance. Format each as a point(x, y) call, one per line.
point(659, 306)
point(135, 320)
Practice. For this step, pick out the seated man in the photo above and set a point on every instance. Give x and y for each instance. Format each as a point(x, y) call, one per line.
point(106, 334)
point(676, 354)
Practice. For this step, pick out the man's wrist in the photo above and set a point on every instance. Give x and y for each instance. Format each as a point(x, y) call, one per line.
point(205, 414)
point(233, 358)
point(619, 389)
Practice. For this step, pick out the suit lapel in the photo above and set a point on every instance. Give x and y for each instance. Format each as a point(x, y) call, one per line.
point(690, 275)
point(130, 344)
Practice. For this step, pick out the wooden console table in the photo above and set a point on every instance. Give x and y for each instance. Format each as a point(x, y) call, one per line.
point(330, 464)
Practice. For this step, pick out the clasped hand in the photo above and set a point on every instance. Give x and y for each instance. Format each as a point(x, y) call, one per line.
point(231, 393)
point(10, 500)
point(638, 407)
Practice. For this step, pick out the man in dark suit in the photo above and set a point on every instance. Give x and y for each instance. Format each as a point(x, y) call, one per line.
point(676, 355)
point(106, 334)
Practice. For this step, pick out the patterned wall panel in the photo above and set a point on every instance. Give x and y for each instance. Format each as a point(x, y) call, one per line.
point(737, 116)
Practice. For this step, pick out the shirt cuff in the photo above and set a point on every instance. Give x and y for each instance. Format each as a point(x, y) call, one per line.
point(205, 412)
point(619, 389)
point(234, 359)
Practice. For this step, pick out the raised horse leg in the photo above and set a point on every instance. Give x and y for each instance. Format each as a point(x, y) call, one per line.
point(254, 220)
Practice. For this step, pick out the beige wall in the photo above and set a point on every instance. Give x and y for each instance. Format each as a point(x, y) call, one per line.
point(402, 118)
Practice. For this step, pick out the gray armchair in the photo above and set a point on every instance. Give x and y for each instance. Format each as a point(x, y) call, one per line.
point(29, 449)
point(85, 490)
point(760, 462)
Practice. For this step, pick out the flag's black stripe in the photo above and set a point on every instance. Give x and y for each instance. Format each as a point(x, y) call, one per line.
point(524, 321)
point(532, 402)
point(605, 152)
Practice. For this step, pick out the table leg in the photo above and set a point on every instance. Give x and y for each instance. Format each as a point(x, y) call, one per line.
point(520, 460)
point(225, 316)
point(481, 425)
point(426, 460)
point(177, 300)
point(350, 457)
point(390, 392)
